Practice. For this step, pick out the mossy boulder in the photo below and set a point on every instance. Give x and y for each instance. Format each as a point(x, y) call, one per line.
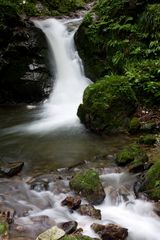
point(88, 184)
point(3, 227)
point(132, 154)
point(148, 139)
point(108, 105)
point(152, 181)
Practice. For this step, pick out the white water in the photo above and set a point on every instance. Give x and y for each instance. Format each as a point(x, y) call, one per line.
point(60, 111)
point(135, 215)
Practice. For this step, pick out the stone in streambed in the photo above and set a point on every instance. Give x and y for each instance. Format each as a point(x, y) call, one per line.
point(90, 211)
point(53, 233)
point(71, 202)
point(87, 183)
point(110, 231)
point(40, 185)
point(10, 169)
point(76, 237)
point(69, 227)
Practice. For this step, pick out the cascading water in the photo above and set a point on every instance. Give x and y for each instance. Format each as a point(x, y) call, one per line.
point(69, 83)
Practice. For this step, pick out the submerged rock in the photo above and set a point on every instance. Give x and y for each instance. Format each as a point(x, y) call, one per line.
point(110, 231)
point(88, 184)
point(90, 211)
point(40, 185)
point(10, 169)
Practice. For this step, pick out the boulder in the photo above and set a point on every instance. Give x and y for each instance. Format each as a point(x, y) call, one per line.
point(90, 211)
point(108, 105)
point(110, 231)
point(88, 184)
point(71, 202)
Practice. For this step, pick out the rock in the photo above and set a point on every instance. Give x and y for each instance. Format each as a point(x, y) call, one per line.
point(151, 184)
point(24, 70)
point(40, 185)
point(88, 184)
point(90, 211)
point(157, 208)
point(69, 227)
point(53, 233)
point(108, 105)
point(71, 202)
point(110, 231)
point(131, 154)
point(11, 169)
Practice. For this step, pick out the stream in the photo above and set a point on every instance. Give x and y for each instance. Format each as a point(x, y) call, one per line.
point(53, 144)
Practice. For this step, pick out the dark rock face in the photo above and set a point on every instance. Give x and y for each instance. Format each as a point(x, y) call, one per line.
point(110, 231)
point(24, 74)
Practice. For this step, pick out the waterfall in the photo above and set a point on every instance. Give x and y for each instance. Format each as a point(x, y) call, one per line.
point(60, 111)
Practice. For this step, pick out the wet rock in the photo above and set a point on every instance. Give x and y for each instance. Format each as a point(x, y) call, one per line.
point(110, 231)
point(24, 72)
point(10, 169)
point(53, 233)
point(157, 208)
point(117, 194)
point(149, 127)
point(71, 202)
point(68, 227)
point(88, 184)
point(90, 211)
point(40, 185)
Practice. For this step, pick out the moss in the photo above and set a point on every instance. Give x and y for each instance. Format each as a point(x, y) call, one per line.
point(3, 227)
point(88, 184)
point(148, 139)
point(132, 153)
point(88, 180)
point(108, 105)
point(152, 184)
point(76, 237)
point(134, 125)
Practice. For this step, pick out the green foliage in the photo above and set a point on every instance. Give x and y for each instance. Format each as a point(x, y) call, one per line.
point(132, 153)
point(76, 237)
point(134, 125)
point(148, 139)
point(144, 78)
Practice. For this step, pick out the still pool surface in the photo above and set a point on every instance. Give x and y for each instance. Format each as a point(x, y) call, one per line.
point(46, 151)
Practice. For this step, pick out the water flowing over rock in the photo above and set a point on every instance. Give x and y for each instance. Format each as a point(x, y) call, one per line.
point(90, 211)
point(72, 202)
point(69, 227)
point(10, 169)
